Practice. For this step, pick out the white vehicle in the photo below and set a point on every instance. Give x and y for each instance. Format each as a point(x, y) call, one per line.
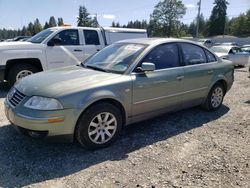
point(205, 42)
point(237, 55)
point(57, 47)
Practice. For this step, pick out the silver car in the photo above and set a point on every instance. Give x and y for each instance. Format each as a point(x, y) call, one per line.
point(124, 83)
point(238, 55)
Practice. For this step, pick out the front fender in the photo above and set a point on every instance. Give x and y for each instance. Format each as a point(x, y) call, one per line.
point(8, 55)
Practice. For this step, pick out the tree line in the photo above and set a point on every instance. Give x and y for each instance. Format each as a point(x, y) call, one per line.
point(165, 21)
point(31, 29)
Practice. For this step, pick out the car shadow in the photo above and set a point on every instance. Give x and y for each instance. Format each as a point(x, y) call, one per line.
point(4, 88)
point(25, 161)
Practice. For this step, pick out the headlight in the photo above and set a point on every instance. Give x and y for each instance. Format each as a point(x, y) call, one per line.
point(43, 103)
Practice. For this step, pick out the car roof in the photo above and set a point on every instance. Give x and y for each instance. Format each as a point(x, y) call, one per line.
point(152, 41)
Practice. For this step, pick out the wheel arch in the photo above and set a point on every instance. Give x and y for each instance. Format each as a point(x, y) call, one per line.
point(12, 62)
point(110, 100)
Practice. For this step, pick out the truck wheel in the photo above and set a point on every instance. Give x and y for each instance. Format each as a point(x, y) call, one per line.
point(19, 71)
point(99, 126)
point(215, 98)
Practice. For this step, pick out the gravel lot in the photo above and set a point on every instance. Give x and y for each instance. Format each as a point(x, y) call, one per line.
point(191, 148)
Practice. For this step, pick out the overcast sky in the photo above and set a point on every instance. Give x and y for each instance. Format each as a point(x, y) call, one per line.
point(16, 13)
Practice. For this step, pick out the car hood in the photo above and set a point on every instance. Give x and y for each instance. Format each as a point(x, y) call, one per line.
point(18, 45)
point(58, 82)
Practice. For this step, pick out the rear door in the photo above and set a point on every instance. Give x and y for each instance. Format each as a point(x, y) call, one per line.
point(67, 51)
point(160, 89)
point(198, 72)
point(92, 42)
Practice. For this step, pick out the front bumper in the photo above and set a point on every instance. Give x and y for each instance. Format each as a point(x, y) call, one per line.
point(38, 121)
point(2, 72)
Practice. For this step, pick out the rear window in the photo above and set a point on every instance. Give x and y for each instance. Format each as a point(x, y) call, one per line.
point(210, 56)
point(193, 54)
point(91, 37)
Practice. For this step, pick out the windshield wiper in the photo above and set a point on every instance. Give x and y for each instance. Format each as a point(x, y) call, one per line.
point(95, 68)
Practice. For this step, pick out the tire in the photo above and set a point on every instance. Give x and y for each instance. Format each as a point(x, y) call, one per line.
point(215, 98)
point(92, 123)
point(19, 71)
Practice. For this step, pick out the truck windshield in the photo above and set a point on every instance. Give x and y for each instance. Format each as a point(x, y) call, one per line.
point(40, 37)
point(115, 58)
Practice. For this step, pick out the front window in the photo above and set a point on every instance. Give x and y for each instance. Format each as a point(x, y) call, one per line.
point(40, 37)
point(115, 58)
point(67, 37)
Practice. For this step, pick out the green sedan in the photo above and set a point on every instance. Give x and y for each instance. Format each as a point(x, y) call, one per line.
point(126, 82)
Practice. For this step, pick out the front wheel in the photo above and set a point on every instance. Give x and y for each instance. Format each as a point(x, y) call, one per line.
point(20, 71)
point(99, 126)
point(215, 97)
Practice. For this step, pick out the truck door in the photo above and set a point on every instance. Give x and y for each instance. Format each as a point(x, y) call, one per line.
point(64, 49)
point(93, 42)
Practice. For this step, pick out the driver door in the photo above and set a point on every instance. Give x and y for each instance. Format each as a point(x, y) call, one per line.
point(65, 50)
point(159, 90)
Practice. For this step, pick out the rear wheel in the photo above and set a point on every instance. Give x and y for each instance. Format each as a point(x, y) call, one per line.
point(215, 97)
point(20, 71)
point(99, 126)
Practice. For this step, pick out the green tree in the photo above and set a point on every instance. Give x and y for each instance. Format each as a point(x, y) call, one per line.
point(202, 26)
point(217, 20)
point(46, 25)
point(30, 29)
point(60, 21)
point(52, 22)
point(166, 15)
point(84, 18)
point(37, 26)
point(113, 24)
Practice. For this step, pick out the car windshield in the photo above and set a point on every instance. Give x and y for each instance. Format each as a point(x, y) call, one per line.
point(115, 58)
point(219, 49)
point(40, 37)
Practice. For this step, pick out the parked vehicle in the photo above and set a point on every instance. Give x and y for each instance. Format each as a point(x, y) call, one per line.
point(20, 38)
point(206, 42)
point(124, 83)
point(57, 47)
point(229, 44)
point(232, 53)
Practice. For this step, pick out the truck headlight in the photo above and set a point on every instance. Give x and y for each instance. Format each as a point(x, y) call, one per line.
point(43, 103)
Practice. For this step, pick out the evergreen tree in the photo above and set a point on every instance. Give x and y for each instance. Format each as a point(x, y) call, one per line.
point(113, 24)
point(30, 29)
point(217, 20)
point(84, 18)
point(46, 26)
point(37, 26)
point(52, 22)
point(60, 21)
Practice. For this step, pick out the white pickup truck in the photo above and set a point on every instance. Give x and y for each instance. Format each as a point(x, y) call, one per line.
point(57, 47)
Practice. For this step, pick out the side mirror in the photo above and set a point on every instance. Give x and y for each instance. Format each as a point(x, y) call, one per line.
point(51, 43)
point(146, 66)
point(55, 42)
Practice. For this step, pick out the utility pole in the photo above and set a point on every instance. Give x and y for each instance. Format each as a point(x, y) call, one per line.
point(198, 19)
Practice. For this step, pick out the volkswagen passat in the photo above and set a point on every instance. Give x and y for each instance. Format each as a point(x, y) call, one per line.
point(126, 82)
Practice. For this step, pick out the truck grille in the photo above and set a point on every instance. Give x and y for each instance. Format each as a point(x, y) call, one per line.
point(15, 97)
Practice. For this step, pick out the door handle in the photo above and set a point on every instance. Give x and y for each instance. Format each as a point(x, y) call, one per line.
point(210, 72)
point(179, 77)
point(77, 50)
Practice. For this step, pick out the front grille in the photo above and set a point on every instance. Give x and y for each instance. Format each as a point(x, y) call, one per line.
point(15, 97)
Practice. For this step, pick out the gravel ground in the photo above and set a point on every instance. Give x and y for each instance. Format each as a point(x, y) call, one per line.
point(190, 148)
